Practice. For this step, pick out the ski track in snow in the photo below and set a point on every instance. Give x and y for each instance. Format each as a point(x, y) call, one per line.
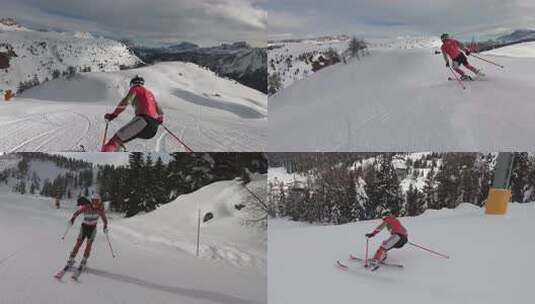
point(401, 100)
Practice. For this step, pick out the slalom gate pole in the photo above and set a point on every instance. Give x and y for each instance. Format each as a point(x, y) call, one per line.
point(457, 78)
point(488, 61)
point(69, 225)
point(366, 256)
point(178, 139)
point(105, 133)
point(429, 250)
point(109, 244)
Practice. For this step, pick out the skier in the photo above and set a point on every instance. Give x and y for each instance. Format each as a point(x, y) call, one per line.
point(144, 125)
point(453, 48)
point(397, 239)
point(88, 230)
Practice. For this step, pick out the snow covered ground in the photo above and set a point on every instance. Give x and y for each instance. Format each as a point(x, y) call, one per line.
point(399, 99)
point(490, 260)
point(207, 112)
point(154, 264)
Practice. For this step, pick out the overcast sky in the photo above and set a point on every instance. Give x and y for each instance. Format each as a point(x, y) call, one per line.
point(298, 18)
point(205, 22)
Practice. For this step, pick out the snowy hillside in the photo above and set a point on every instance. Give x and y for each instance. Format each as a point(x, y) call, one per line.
point(524, 50)
point(47, 55)
point(401, 100)
point(298, 59)
point(39, 172)
point(155, 257)
point(207, 112)
point(224, 237)
point(486, 264)
point(293, 60)
point(238, 61)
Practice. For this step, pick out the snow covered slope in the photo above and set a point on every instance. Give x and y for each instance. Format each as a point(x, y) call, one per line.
point(292, 60)
point(523, 50)
point(490, 260)
point(38, 54)
point(401, 100)
point(207, 112)
point(223, 238)
point(154, 263)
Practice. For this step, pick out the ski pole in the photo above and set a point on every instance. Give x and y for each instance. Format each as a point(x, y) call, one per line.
point(178, 139)
point(366, 259)
point(488, 61)
point(109, 244)
point(457, 78)
point(105, 133)
point(69, 225)
point(429, 250)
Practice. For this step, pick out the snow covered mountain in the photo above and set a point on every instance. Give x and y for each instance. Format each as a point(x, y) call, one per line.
point(401, 100)
point(480, 268)
point(237, 61)
point(292, 60)
point(29, 56)
point(155, 256)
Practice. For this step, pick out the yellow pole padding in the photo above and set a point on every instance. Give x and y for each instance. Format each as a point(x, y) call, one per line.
point(497, 201)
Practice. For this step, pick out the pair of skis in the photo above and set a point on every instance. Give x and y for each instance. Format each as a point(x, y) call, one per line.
point(369, 265)
point(76, 271)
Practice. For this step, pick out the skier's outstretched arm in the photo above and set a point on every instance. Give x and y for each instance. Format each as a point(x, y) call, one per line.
point(160, 113)
point(104, 219)
point(76, 213)
point(121, 106)
point(446, 59)
point(377, 230)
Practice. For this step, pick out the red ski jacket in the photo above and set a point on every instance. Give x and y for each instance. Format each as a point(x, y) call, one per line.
point(451, 47)
point(392, 224)
point(90, 215)
point(142, 100)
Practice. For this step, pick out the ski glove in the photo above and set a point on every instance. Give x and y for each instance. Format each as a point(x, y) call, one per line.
point(467, 53)
point(71, 221)
point(110, 116)
point(370, 235)
point(448, 64)
point(159, 119)
point(106, 230)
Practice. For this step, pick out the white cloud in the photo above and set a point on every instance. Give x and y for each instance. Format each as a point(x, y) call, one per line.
point(391, 16)
point(205, 22)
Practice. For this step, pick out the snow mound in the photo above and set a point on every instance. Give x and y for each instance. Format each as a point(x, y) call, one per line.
point(521, 50)
point(224, 236)
point(480, 268)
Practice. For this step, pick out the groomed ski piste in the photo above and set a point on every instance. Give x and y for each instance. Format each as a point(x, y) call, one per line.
point(400, 99)
point(489, 260)
point(155, 253)
point(206, 112)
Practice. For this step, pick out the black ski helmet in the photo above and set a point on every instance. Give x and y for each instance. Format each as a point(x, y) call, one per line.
point(137, 80)
point(444, 36)
point(82, 201)
point(386, 212)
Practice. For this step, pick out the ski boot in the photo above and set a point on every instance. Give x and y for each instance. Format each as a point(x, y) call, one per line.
point(62, 272)
point(373, 264)
point(465, 77)
point(80, 269)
